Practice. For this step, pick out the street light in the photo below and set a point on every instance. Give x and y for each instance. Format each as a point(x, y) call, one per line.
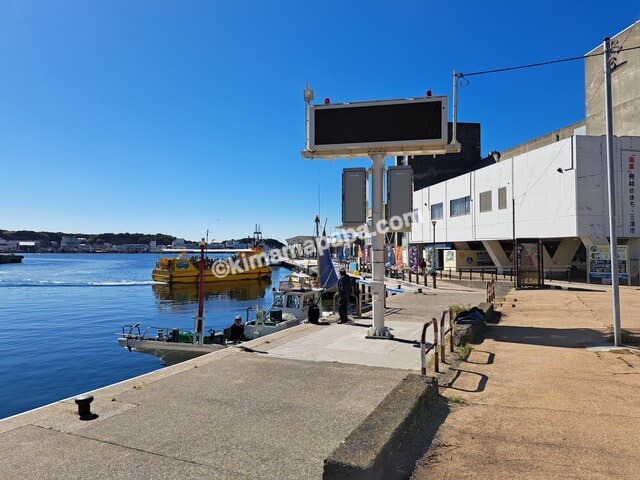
point(433, 266)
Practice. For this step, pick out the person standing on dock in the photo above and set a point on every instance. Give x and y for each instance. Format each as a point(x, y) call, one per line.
point(423, 266)
point(344, 292)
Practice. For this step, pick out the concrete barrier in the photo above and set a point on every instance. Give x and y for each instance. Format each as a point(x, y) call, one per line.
point(391, 439)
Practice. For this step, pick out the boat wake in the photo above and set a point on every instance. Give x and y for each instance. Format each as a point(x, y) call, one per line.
point(53, 283)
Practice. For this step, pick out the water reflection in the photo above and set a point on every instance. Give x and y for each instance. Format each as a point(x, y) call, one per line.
point(186, 293)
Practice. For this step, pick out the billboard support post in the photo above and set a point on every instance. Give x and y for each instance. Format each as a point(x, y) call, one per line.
point(378, 330)
point(376, 129)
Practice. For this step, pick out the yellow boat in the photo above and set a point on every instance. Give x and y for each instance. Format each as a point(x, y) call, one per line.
point(185, 269)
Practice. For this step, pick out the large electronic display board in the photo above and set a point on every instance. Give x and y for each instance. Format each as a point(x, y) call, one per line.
point(386, 125)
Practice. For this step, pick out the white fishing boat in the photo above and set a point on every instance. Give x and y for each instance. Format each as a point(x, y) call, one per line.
point(290, 306)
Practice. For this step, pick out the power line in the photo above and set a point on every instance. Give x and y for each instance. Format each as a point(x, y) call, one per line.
point(531, 65)
point(541, 64)
point(625, 49)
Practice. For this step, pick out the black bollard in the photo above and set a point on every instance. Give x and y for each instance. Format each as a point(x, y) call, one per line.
point(84, 405)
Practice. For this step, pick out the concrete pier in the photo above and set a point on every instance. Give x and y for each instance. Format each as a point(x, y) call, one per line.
point(276, 409)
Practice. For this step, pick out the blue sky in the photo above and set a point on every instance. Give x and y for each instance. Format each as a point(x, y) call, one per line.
point(177, 117)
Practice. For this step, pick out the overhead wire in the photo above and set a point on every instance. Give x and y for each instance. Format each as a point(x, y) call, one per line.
point(462, 75)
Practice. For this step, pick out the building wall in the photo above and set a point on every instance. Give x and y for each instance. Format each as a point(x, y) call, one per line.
point(429, 170)
point(543, 140)
point(625, 87)
point(496, 224)
point(592, 197)
point(548, 204)
point(545, 205)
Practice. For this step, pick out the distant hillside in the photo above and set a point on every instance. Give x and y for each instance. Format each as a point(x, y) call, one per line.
point(46, 238)
point(92, 239)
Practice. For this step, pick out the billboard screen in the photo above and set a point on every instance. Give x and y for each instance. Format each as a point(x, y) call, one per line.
point(381, 124)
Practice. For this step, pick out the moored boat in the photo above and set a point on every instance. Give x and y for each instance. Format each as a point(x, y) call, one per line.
point(10, 258)
point(290, 306)
point(185, 269)
point(172, 345)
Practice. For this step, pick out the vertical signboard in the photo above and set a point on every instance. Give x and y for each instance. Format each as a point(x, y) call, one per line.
point(354, 197)
point(629, 188)
point(413, 258)
point(400, 198)
point(600, 263)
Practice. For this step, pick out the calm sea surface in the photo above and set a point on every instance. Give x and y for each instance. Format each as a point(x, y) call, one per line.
point(60, 316)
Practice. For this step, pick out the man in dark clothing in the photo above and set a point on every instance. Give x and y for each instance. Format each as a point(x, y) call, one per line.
point(344, 292)
point(314, 312)
point(237, 330)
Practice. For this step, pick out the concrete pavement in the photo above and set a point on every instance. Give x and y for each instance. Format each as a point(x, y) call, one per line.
point(230, 414)
point(533, 401)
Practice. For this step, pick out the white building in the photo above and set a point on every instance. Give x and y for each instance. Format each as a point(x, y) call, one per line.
point(70, 244)
point(557, 193)
point(178, 243)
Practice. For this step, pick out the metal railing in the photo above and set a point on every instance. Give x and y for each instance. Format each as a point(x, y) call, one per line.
point(439, 335)
point(132, 329)
point(443, 333)
point(471, 273)
point(358, 304)
point(364, 298)
point(424, 349)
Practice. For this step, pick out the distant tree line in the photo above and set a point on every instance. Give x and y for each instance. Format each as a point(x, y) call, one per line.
point(46, 238)
point(91, 239)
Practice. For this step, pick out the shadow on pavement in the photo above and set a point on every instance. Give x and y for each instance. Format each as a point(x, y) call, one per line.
point(436, 417)
point(490, 357)
point(482, 381)
point(551, 337)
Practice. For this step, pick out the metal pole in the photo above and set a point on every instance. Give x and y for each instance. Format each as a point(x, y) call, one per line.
point(378, 330)
point(200, 318)
point(434, 254)
point(613, 238)
point(515, 243)
point(454, 139)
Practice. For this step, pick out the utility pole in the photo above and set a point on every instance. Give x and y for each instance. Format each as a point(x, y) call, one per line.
point(613, 237)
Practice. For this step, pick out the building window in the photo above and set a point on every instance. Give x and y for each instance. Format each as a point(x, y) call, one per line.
point(437, 212)
point(485, 201)
point(460, 206)
point(416, 216)
point(502, 198)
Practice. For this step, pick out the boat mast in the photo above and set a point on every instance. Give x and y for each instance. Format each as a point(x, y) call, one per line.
point(199, 336)
point(317, 221)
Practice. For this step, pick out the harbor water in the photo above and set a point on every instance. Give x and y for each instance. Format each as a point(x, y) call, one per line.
point(61, 314)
